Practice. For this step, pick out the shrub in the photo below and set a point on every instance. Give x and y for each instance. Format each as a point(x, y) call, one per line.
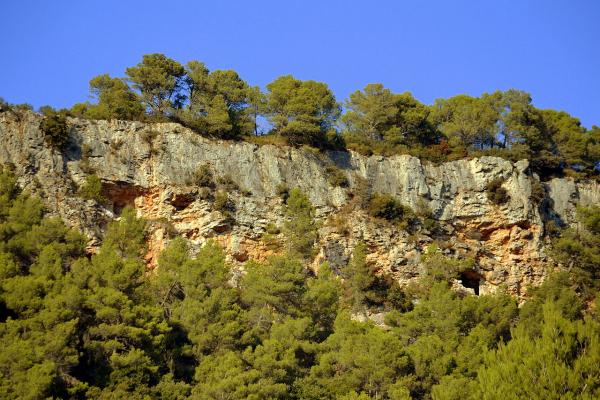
point(336, 177)
point(538, 191)
point(283, 191)
point(300, 227)
point(339, 221)
point(496, 193)
point(272, 229)
point(271, 242)
point(388, 207)
point(149, 136)
point(227, 182)
point(92, 189)
point(426, 216)
point(54, 127)
point(22, 107)
point(84, 163)
point(222, 201)
point(203, 177)
point(552, 228)
point(361, 191)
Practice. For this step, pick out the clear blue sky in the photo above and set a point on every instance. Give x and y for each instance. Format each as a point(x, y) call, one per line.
point(50, 49)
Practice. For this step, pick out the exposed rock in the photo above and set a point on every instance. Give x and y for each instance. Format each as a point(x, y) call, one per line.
point(150, 166)
point(566, 194)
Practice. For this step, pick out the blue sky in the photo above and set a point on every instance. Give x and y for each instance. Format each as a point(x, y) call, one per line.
point(50, 49)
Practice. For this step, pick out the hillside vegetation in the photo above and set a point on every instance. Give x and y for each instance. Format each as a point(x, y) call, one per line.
point(77, 326)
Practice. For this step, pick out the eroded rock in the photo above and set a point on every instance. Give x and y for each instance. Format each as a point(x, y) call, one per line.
point(152, 172)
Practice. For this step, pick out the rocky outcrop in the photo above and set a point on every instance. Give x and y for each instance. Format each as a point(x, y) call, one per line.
point(153, 167)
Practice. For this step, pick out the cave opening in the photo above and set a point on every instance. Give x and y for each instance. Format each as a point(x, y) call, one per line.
point(470, 279)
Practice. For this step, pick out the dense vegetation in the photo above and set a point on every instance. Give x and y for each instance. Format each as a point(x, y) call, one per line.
point(103, 327)
point(375, 120)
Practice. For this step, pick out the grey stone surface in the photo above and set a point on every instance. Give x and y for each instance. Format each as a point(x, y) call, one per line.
point(152, 166)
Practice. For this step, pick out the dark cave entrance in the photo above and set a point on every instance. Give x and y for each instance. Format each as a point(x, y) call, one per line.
point(470, 279)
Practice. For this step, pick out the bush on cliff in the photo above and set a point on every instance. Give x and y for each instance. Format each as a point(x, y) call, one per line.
point(92, 189)
point(54, 127)
point(496, 193)
point(300, 227)
point(387, 207)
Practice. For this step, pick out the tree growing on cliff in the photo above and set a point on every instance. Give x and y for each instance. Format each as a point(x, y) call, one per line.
point(371, 113)
point(358, 280)
point(375, 114)
point(218, 102)
point(54, 127)
point(579, 249)
point(300, 227)
point(465, 120)
point(159, 80)
point(115, 100)
point(301, 111)
point(579, 149)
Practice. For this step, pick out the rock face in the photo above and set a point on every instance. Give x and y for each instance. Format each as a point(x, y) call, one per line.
point(154, 167)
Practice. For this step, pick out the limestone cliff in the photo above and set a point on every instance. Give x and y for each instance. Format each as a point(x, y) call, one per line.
point(151, 166)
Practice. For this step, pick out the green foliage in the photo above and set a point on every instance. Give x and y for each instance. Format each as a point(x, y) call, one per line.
point(371, 113)
point(278, 285)
point(356, 358)
point(358, 279)
point(577, 147)
point(300, 227)
point(195, 296)
point(336, 177)
point(148, 136)
point(223, 202)
point(440, 268)
point(387, 207)
point(220, 102)
point(15, 109)
point(92, 189)
point(365, 290)
point(272, 229)
point(466, 120)
point(158, 80)
point(378, 119)
point(558, 289)
point(115, 100)
point(126, 331)
point(203, 177)
point(39, 306)
point(322, 301)
point(102, 326)
point(562, 362)
point(495, 192)
point(227, 183)
point(579, 249)
point(54, 127)
point(283, 191)
point(538, 192)
point(4, 106)
point(301, 111)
